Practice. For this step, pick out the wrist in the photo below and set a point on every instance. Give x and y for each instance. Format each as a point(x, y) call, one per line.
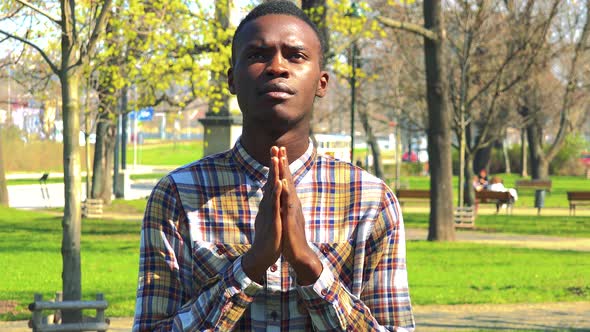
point(308, 269)
point(252, 267)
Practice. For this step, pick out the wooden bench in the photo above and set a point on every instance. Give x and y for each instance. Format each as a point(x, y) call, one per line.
point(413, 195)
point(577, 198)
point(533, 184)
point(463, 218)
point(495, 197)
point(92, 208)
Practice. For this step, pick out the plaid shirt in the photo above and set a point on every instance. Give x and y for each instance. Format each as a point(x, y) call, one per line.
point(199, 221)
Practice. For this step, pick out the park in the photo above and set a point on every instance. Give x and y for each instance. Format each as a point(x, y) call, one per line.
point(422, 103)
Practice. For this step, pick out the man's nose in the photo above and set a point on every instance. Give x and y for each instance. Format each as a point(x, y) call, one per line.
point(277, 66)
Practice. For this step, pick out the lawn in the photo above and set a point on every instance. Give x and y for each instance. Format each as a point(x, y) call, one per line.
point(440, 273)
point(454, 273)
point(166, 153)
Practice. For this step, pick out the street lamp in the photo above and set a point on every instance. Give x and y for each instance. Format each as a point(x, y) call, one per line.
point(353, 13)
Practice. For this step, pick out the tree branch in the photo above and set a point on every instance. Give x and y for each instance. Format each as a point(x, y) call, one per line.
point(45, 57)
point(100, 24)
point(407, 26)
point(40, 11)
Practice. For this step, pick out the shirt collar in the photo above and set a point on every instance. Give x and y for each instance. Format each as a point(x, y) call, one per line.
point(259, 172)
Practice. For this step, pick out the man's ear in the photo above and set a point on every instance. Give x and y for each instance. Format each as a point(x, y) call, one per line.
point(322, 84)
point(230, 81)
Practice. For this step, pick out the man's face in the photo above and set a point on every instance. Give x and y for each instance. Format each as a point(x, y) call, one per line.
point(276, 73)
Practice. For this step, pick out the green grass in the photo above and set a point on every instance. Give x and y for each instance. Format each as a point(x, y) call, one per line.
point(166, 154)
point(517, 224)
point(440, 273)
point(460, 273)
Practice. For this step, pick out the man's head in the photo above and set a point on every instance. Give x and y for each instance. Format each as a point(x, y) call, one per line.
point(279, 8)
point(276, 68)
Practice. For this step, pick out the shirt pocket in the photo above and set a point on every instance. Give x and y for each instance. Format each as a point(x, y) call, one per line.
point(339, 257)
point(211, 259)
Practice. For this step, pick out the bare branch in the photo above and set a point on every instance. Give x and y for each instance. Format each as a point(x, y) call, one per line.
point(407, 26)
point(45, 57)
point(41, 11)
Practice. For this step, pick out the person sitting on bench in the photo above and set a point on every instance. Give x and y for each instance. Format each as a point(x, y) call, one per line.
point(497, 185)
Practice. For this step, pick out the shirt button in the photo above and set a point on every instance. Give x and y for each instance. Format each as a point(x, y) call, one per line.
point(273, 268)
point(274, 315)
point(325, 250)
point(324, 292)
point(221, 250)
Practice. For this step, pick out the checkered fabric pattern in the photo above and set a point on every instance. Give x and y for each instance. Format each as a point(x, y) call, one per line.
point(199, 221)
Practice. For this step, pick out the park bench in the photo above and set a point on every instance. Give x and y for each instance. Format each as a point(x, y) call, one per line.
point(413, 195)
point(464, 217)
point(577, 198)
point(495, 197)
point(92, 208)
point(533, 184)
point(41, 323)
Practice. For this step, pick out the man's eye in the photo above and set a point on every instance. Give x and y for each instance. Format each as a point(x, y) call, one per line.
point(256, 56)
point(297, 56)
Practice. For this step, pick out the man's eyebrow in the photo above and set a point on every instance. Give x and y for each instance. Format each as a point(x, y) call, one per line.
point(262, 46)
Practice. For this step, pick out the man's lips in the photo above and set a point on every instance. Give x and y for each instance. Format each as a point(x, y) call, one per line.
point(277, 90)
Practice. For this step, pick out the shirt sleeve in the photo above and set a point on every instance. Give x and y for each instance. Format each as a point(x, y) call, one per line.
point(167, 299)
point(384, 303)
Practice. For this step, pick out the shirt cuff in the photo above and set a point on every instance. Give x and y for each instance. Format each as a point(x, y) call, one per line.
point(321, 289)
point(241, 281)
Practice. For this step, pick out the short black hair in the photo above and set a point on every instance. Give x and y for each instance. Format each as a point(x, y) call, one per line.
point(280, 8)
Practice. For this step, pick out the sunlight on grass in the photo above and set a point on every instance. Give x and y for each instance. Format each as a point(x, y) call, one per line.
point(439, 273)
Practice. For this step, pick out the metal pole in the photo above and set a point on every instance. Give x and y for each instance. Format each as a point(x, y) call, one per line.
point(117, 155)
point(135, 130)
point(352, 100)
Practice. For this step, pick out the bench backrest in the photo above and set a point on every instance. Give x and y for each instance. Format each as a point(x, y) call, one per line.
point(413, 193)
point(488, 194)
point(541, 184)
point(575, 195)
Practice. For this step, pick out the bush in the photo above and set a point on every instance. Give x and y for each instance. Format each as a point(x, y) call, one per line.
point(567, 161)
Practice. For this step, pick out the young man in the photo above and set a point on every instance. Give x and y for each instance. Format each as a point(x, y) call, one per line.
point(270, 236)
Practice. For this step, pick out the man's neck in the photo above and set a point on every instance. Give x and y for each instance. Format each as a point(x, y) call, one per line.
point(258, 142)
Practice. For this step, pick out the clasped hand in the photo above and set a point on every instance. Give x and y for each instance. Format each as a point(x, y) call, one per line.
point(280, 227)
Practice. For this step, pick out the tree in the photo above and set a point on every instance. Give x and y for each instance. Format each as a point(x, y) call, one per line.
point(78, 41)
point(486, 63)
point(441, 224)
point(3, 185)
point(574, 86)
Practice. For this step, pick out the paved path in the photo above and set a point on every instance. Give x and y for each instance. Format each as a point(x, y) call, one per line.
point(513, 240)
point(573, 316)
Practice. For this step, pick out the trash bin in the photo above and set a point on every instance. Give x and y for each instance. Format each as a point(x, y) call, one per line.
point(539, 200)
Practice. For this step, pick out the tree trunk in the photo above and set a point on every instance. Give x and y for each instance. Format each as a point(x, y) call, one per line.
point(441, 225)
point(523, 154)
point(3, 185)
point(469, 194)
point(506, 157)
point(372, 142)
point(72, 275)
point(539, 165)
point(482, 159)
point(103, 159)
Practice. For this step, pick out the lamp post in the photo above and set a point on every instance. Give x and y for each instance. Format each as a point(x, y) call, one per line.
point(353, 13)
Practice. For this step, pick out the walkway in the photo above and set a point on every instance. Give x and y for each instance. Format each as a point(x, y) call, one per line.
point(513, 240)
point(571, 316)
